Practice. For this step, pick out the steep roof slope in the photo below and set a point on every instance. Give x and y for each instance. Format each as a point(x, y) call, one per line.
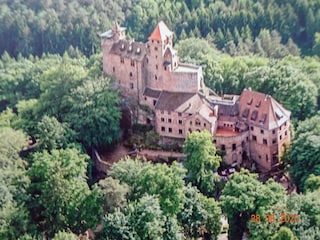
point(262, 110)
point(161, 32)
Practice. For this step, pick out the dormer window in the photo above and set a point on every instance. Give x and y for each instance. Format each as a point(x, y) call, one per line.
point(258, 104)
point(254, 115)
point(245, 113)
point(278, 113)
point(250, 102)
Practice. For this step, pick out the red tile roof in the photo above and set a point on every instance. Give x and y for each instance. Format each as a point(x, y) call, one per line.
point(261, 109)
point(161, 32)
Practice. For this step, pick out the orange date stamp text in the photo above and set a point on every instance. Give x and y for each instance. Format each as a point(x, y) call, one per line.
point(271, 218)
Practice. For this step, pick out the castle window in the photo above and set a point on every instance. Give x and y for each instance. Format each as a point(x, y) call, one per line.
point(156, 48)
point(265, 141)
point(280, 137)
point(214, 141)
point(132, 63)
point(251, 128)
point(154, 102)
point(198, 123)
point(274, 141)
point(286, 133)
point(180, 121)
point(234, 147)
point(223, 147)
point(155, 77)
point(245, 113)
point(179, 114)
point(267, 158)
point(122, 60)
point(180, 131)
point(165, 68)
point(130, 74)
point(163, 129)
point(254, 115)
point(204, 124)
point(131, 85)
point(169, 112)
point(261, 131)
point(170, 130)
point(157, 66)
point(113, 69)
point(162, 119)
point(147, 60)
point(145, 98)
point(254, 138)
point(273, 131)
point(190, 122)
point(169, 120)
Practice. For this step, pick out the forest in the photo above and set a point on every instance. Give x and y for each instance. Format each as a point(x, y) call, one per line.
point(55, 107)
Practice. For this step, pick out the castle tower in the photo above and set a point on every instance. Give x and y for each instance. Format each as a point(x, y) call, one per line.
point(162, 58)
point(108, 38)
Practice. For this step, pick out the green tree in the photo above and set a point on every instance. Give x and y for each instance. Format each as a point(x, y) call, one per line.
point(115, 193)
point(284, 234)
point(159, 179)
point(316, 46)
point(305, 152)
point(62, 235)
point(60, 198)
point(93, 113)
point(56, 85)
point(14, 217)
point(27, 116)
point(307, 207)
point(116, 226)
point(51, 134)
point(312, 183)
point(243, 196)
point(142, 219)
point(200, 216)
point(202, 161)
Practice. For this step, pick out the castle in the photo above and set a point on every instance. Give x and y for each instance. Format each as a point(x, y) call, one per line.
point(250, 126)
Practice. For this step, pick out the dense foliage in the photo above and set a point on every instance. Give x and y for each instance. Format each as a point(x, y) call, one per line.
point(293, 81)
point(305, 153)
point(169, 209)
point(243, 196)
point(202, 161)
point(238, 27)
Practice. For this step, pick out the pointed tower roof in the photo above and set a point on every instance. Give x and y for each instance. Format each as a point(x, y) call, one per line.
point(161, 32)
point(116, 29)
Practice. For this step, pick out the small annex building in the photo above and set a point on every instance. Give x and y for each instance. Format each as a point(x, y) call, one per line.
point(251, 125)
